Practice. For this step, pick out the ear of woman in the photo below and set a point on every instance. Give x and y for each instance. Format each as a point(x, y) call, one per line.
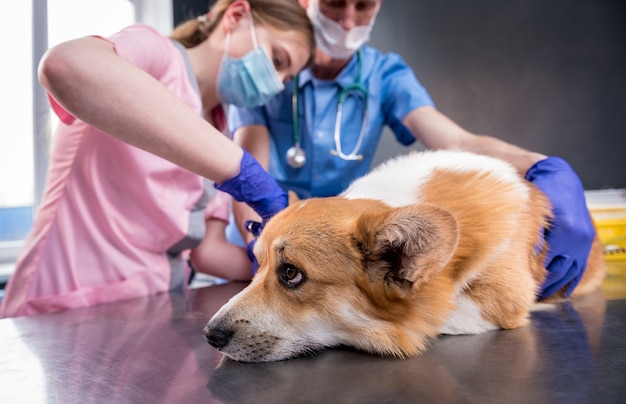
point(235, 12)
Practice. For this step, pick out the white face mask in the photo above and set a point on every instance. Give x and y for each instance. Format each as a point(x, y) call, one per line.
point(332, 39)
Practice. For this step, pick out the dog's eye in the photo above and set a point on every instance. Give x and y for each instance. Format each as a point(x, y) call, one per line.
point(291, 276)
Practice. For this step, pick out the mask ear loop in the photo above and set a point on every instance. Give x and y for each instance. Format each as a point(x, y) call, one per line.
point(252, 33)
point(227, 43)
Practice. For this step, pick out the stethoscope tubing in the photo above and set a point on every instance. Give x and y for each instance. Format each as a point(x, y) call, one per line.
point(296, 157)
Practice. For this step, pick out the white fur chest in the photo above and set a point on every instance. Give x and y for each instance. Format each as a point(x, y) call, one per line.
point(466, 319)
point(398, 181)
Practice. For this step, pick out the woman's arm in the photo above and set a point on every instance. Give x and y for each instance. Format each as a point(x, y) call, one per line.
point(87, 78)
point(436, 131)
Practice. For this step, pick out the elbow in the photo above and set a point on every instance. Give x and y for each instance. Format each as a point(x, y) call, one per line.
point(65, 64)
point(54, 68)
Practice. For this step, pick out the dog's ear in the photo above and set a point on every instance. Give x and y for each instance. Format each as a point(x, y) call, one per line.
point(293, 197)
point(406, 246)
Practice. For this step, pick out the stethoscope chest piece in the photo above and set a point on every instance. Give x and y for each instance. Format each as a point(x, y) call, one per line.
point(295, 156)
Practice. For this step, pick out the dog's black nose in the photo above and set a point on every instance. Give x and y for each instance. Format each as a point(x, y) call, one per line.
point(218, 337)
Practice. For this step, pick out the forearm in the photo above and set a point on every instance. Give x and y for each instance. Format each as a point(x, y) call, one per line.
point(520, 158)
point(436, 131)
point(123, 101)
point(242, 214)
point(217, 257)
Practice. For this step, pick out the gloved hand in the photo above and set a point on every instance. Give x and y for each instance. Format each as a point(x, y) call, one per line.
point(254, 186)
point(571, 233)
point(255, 263)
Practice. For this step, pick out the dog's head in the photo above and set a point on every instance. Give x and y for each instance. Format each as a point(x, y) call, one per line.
point(334, 271)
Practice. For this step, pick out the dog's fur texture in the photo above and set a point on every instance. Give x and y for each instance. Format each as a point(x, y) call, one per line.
point(430, 243)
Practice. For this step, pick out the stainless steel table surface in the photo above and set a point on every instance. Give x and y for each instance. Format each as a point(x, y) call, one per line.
point(151, 350)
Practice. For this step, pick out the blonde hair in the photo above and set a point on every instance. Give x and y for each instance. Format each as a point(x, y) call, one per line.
point(283, 15)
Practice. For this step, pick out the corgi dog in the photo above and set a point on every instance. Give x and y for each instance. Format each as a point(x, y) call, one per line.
point(430, 243)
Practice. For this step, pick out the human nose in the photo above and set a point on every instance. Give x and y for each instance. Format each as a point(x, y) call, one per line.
point(347, 20)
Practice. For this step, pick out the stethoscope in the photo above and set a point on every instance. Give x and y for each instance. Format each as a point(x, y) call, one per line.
point(296, 157)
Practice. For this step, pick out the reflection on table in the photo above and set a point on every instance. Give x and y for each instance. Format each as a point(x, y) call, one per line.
point(152, 350)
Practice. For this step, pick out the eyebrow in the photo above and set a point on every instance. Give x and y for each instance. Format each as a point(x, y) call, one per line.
point(280, 246)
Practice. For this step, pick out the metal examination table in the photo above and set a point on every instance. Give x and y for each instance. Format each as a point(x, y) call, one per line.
point(151, 350)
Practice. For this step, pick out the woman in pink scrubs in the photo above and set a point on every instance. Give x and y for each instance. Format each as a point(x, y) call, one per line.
point(125, 199)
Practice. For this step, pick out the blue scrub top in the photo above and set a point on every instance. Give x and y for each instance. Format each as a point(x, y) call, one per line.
point(393, 92)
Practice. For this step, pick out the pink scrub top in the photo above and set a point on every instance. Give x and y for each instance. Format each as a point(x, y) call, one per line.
point(116, 222)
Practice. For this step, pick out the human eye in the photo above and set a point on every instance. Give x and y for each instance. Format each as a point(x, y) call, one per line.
point(277, 62)
point(365, 5)
point(336, 3)
point(280, 59)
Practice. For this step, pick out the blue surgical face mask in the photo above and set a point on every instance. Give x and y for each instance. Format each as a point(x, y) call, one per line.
point(249, 81)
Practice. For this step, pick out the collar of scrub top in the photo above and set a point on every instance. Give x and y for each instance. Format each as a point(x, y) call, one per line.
point(348, 85)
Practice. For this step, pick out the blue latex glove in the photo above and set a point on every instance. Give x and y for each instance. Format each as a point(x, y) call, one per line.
point(254, 186)
point(571, 233)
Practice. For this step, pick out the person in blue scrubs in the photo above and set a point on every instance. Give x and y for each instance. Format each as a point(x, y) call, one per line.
point(295, 134)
